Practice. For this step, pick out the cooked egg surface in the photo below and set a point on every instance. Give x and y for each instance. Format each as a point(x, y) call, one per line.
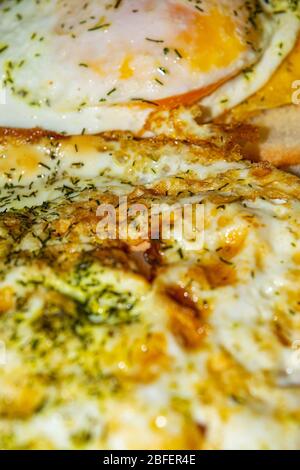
point(277, 92)
point(79, 67)
point(107, 347)
point(260, 75)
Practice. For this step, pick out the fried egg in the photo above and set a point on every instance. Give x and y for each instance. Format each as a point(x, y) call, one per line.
point(106, 347)
point(77, 67)
point(256, 77)
point(276, 93)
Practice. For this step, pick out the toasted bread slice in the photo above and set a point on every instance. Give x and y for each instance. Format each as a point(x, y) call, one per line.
point(278, 136)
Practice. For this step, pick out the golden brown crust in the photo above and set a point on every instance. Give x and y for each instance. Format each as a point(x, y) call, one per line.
point(27, 135)
point(278, 136)
point(270, 135)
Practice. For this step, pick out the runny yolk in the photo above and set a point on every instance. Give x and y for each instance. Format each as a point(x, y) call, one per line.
point(207, 41)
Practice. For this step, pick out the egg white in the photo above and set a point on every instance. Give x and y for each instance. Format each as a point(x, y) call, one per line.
point(234, 92)
point(61, 61)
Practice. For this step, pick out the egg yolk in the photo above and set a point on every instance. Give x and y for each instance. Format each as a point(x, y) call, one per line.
point(207, 41)
point(126, 70)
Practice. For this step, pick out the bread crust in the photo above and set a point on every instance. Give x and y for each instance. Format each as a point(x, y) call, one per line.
point(278, 132)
